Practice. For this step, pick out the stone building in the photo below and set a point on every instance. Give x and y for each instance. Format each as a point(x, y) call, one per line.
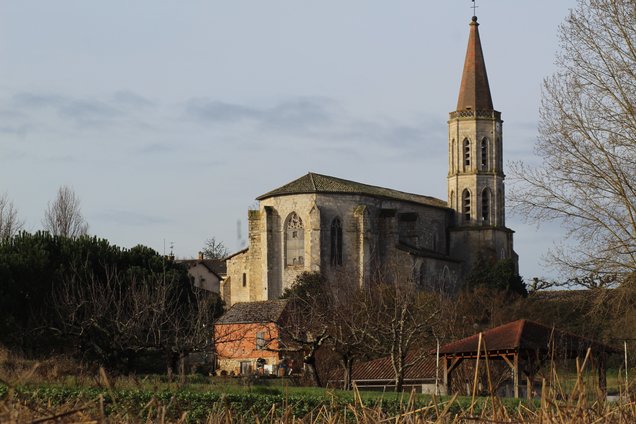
point(358, 232)
point(205, 274)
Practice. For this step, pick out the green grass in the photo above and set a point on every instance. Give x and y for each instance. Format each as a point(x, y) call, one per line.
point(126, 397)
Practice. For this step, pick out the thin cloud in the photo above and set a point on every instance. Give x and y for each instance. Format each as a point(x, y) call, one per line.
point(38, 100)
point(123, 217)
point(290, 114)
point(130, 99)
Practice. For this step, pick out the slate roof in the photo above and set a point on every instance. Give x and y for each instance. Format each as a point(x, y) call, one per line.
point(524, 335)
point(254, 312)
point(317, 183)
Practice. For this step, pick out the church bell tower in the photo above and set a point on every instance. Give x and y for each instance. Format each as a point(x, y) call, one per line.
point(475, 168)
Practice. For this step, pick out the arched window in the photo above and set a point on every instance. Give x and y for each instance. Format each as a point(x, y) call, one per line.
point(466, 153)
point(466, 205)
point(484, 154)
point(453, 154)
point(336, 242)
point(295, 240)
point(485, 205)
point(452, 200)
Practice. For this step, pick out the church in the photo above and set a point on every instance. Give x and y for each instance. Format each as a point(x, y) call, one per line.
point(359, 232)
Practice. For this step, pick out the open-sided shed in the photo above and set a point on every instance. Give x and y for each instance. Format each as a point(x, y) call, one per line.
point(524, 346)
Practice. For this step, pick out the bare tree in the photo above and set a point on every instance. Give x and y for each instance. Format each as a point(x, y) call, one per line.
point(349, 328)
point(306, 325)
point(9, 222)
point(63, 216)
point(587, 176)
point(214, 249)
point(116, 316)
point(403, 321)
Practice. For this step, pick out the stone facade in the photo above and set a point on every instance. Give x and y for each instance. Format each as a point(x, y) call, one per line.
point(356, 232)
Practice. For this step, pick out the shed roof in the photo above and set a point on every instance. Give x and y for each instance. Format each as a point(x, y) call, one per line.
point(317, 183)
point(254, 312)
point(524, 335)
point(382, 369)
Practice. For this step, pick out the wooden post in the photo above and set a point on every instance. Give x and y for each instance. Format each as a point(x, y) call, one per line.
point(449, 366)
point(447, 376)
point(515, 375)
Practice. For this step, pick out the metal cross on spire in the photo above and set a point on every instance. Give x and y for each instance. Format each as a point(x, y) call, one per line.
point(474, 6)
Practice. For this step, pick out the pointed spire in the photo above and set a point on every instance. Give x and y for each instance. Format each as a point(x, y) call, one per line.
point(474, 93)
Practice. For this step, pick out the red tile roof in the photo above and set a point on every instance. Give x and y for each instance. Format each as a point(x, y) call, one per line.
point(524, 335)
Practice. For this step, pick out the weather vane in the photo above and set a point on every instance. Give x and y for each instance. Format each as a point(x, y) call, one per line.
point(474, 6)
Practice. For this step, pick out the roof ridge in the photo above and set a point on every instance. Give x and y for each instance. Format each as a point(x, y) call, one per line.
point(311, 178)
point(318, 183)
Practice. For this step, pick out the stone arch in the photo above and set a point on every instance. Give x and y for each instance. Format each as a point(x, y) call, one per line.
point(294, 240)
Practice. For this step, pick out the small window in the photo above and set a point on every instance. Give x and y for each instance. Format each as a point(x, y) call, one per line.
point(244, 280)
point(260, 341)
point(452, 200)
point(484, 154)
point(336, 242)
point(466, 205)
point(466, 153)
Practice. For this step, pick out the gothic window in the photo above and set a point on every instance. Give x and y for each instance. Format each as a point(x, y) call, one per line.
point(484, 154)
point(485, 206)
point(466, 205)
point(452, 200)
point(336, 242)
point(295, 240)
point(466, 153)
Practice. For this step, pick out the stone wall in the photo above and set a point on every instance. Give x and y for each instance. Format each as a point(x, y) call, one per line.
point(372, 230)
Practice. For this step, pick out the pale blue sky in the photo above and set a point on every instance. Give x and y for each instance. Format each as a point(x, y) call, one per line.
point(169, 117)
